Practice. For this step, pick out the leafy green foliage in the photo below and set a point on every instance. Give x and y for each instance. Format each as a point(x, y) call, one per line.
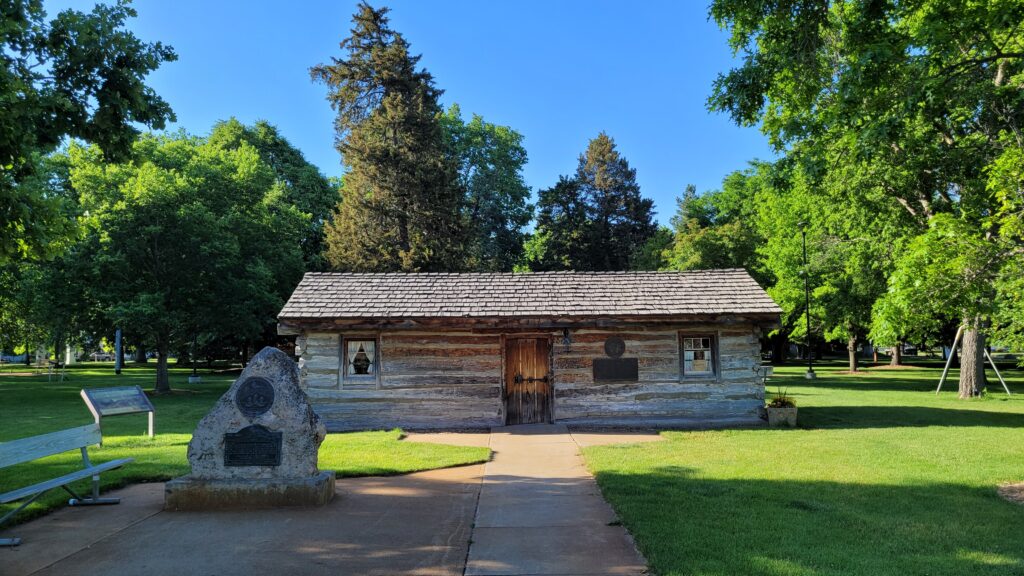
point(79, 75)
point(305, 187)
point(189, 237)
point(718, 229)
point(562, 234)
point(403, 203)
point(908, 106)
point(491, 160)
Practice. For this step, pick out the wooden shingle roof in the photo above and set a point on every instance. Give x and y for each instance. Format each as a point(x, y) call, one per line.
point(323, 296)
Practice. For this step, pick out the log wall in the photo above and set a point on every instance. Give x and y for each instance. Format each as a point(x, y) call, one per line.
point(454, 380)
point(425, 380)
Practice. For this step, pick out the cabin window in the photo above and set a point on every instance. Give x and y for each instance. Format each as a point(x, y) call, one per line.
point(360, 358)
point(698, 351)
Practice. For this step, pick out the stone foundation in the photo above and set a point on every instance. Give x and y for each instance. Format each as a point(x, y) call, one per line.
point(187, 493)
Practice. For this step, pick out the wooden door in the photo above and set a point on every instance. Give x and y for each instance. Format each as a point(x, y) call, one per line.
point(528, 396)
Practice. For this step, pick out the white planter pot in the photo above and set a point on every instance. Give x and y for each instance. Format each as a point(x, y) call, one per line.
point(782, 416)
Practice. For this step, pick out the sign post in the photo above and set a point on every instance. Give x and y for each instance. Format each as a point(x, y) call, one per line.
point(118, 400)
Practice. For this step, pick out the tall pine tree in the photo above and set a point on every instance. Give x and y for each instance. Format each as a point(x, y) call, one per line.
point(402, 199)
point(561, 238)
point(595, 221)
point(620, 219)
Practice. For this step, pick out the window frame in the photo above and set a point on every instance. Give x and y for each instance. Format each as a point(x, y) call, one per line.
point(361, 379)
point(714, 373)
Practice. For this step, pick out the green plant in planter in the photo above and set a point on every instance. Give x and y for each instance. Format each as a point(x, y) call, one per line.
point(781, 410)
point(781, 400)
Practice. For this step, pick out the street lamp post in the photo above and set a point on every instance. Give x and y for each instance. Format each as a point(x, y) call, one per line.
point(810, 375)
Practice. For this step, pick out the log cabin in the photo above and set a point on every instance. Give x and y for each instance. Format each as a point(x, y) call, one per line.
point(478, 350)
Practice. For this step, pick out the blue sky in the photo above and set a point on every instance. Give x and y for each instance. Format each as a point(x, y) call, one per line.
point(559, 72)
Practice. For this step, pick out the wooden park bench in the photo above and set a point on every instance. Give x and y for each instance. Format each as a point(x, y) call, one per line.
point(35, 447)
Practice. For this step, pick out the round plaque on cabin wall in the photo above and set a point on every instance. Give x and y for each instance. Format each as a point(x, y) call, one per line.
point(614, 346)
point(254, 397)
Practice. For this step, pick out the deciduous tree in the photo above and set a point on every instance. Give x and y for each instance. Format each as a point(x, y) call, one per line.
point(79, 75)
point(190, 237)
point(490, 160)
point(928, 93)
point(305, 186)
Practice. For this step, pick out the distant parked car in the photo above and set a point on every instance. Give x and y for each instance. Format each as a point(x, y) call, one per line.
point(909, 350)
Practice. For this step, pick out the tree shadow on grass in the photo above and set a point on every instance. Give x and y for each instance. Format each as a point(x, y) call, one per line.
point(902, 416)
point(688, 524)
point(892, 382)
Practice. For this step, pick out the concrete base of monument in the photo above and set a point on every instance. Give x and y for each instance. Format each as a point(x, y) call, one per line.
point(187, 493)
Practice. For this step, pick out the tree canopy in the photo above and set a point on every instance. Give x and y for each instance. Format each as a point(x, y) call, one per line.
point(189, 236)
point(922, 96)
point(79, 75)
point(496, 208)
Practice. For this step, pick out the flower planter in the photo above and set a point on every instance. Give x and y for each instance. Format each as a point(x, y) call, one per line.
point(782, 416)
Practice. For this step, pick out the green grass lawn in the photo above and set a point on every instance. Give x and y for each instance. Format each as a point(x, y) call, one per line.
point(882, 477)
point(29, 405)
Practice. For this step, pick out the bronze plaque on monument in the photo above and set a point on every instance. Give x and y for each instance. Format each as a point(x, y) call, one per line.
point(252, 446)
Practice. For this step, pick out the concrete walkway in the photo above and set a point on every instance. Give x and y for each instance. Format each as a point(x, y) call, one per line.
point(414, 524)
point(535, 508)
point(541, 512)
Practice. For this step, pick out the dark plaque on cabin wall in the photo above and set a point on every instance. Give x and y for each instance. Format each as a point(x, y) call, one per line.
point(252, 446)
point(254, 397)
point(616, 369)
point(614, 346)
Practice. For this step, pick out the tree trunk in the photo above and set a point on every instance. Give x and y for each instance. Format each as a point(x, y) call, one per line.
point(972, 361)
point(897, 355)
point(140, 354)
point(163, 380)
point(120, 354)
point(851, 348)
point(28, 359)
point(58, 349)
point(245, 354)
point(780, 344)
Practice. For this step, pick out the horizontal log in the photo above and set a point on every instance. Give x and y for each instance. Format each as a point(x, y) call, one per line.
point(322, 338)
point(438, 394)
point(320, 381)
point(320, 362)
point(392, 381)
point(358, 385)
point(585, 337)
point(485, 365)
point(440, 352)
point(441, 339)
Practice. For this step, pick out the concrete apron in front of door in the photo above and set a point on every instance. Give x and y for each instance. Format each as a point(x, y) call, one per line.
point(540, 511)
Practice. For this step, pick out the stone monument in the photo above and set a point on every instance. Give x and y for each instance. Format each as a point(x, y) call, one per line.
point(258, 447)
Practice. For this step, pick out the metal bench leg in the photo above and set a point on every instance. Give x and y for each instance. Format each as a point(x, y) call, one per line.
point(16, 541)
point(93, 500)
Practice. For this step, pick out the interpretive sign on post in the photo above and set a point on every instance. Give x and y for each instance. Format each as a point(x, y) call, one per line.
point(116, 401)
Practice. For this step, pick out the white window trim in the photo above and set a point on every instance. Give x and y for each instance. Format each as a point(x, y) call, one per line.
point(360, 378)
point(716, 371)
